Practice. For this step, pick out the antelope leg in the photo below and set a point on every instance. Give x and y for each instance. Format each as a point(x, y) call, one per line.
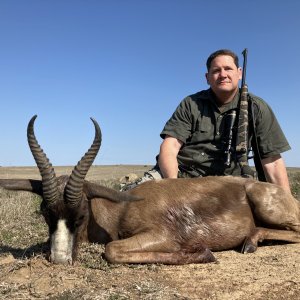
point(260, 234)
point(149, 248)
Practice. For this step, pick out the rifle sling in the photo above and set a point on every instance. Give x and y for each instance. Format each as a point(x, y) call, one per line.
point(257, 158)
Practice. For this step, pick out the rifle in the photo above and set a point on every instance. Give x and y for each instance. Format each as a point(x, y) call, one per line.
point(243, 127)
point(227, 140)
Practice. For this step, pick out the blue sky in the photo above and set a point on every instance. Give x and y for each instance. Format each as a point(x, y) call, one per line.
point(128, 64)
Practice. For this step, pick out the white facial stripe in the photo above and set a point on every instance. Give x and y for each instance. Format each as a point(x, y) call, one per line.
point(61, 244)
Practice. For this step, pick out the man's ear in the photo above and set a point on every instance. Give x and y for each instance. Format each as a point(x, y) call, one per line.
point(240, 73)
point(206, 76)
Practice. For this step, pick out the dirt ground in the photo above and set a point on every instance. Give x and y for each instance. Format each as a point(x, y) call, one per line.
point(272, 272)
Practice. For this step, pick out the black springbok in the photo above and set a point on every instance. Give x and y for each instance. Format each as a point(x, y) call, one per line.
point(169, 221)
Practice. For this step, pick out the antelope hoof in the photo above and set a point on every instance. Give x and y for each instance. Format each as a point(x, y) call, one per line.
point(248, 247)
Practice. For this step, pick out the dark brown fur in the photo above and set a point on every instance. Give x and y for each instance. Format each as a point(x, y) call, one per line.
point(181, 220)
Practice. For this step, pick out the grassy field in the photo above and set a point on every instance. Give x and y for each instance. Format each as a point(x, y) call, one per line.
point(26, 274)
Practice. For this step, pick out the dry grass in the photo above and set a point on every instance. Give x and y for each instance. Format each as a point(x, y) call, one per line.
point(20, 220)
point(294, 177)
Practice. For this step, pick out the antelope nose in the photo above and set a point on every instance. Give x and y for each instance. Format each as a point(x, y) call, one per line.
point(61, 260)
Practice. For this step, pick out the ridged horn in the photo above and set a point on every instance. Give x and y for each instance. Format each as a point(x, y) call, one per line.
point(49, 181)
point(73, 190)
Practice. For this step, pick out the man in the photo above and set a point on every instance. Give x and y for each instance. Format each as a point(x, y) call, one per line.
point(195, 136)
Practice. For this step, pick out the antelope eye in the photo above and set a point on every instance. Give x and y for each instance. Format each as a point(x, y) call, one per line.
point(79, 221)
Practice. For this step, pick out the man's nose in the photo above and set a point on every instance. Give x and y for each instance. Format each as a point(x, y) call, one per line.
point(223, 73)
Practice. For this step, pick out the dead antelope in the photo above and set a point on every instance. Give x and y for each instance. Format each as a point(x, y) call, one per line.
point(170, 221)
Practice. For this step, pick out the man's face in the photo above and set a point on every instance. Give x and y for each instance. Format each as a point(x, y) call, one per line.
point(223, 76)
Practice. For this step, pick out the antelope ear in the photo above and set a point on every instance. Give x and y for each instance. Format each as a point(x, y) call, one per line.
point(93, 190)
point(29, 185)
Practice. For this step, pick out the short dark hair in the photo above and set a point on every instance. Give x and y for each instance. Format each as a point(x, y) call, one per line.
point(222, 52)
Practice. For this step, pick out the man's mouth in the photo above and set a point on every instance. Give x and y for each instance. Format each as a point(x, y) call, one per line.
point(223, 82)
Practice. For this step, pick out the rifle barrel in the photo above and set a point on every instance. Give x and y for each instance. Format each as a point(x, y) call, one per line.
point(245, 53)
